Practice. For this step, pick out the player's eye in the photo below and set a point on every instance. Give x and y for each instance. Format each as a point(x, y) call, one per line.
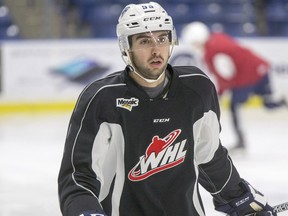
point(162, 40)
point(145, 42)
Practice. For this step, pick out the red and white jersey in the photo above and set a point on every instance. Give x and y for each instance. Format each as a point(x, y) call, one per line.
point(242, 67)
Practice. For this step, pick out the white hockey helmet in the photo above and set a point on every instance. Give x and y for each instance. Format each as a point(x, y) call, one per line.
point(195, 32)
point(141, 18)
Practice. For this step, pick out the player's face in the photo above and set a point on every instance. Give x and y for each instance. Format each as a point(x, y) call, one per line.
point(150, 52)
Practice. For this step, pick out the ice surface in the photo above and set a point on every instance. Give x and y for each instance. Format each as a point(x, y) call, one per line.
point(31, 147)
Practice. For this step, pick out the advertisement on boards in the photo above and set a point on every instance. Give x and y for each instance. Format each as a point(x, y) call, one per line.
point(52, 71)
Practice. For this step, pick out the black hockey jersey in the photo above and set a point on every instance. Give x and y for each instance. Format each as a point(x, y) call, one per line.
point(130, 155)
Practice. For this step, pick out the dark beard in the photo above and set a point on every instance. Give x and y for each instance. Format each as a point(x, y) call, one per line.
point(140, 70)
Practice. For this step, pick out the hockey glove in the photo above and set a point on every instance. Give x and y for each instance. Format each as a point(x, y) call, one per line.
point(252, 203)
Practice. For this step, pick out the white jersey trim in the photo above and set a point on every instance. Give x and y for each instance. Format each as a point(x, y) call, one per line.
point(79, 130)
point(108, 161)
point(189, 75)
point(206, 131)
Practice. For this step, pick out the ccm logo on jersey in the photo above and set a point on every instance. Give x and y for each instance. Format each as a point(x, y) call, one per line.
point(127, 103)
point(161, 154)
point(164, 120)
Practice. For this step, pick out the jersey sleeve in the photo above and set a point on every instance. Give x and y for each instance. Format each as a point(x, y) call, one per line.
point(78, 185)
point(217, 174)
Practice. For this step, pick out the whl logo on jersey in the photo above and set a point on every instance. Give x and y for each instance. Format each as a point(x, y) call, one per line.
point(161, 154)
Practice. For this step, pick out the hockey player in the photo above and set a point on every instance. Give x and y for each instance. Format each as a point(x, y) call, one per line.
point(235, 69)
point(141, 140)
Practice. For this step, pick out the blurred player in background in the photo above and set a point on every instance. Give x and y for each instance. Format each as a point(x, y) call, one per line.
point(234, 68)
point(142, 139)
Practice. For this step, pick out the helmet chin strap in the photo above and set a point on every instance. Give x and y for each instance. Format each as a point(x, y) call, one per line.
point(148, 80)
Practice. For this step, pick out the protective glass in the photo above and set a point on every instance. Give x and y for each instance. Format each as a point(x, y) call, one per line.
point(149, 40)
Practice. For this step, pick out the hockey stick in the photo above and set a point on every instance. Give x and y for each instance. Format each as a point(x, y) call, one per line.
point(277, 209)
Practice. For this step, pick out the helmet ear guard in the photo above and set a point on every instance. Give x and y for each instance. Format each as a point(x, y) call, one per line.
point(123, 44)
point(174, 38)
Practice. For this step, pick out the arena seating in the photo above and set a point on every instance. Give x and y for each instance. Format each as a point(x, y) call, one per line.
point(236, 17)
point(8, 30)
